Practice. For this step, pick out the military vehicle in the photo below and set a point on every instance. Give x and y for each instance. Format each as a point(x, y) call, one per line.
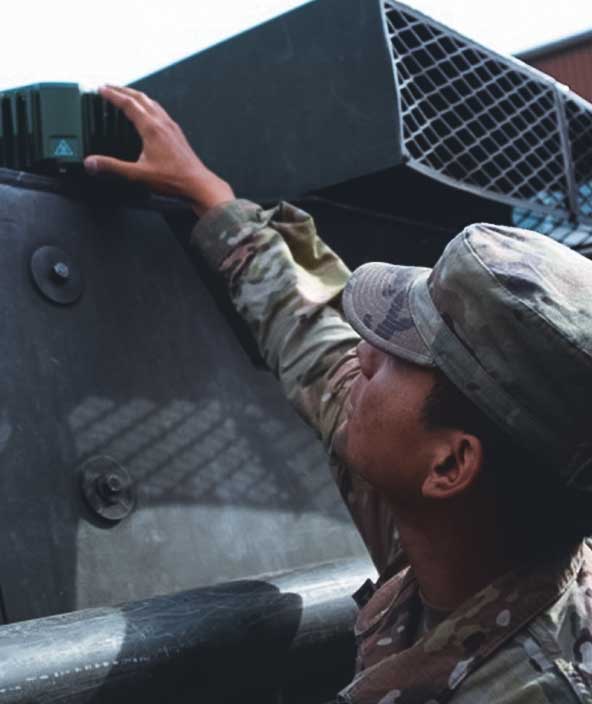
point(169, 527)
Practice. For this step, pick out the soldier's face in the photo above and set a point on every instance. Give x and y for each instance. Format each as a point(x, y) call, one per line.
point(384, 438)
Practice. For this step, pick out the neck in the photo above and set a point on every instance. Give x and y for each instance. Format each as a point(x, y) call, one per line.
point(457, 551)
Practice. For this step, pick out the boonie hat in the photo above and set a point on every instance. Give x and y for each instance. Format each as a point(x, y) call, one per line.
point(506, 314)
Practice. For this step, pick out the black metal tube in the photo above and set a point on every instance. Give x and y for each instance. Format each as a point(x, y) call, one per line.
point(291, 632)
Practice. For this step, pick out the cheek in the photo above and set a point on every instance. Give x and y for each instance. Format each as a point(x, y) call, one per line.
point(371, 434)
point(381, 441)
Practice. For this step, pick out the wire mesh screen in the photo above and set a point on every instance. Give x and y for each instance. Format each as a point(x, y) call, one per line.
point(487, 124)
point(579, 120)
point(571, 233)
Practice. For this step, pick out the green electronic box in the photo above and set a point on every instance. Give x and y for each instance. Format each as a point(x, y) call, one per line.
point(51, 127)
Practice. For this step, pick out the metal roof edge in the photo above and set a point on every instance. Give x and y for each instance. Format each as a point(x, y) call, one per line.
point(556, 46)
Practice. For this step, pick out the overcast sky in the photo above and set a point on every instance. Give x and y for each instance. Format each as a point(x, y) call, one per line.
point(121, 40)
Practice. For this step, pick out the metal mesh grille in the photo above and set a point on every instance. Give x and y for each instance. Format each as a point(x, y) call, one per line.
point(573, 234)
point(579, 121)
point(474, 118)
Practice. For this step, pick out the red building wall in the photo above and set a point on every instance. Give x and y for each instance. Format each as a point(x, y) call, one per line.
point(571, 65)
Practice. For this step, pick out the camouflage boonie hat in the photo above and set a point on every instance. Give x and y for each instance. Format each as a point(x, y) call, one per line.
point(506, 314)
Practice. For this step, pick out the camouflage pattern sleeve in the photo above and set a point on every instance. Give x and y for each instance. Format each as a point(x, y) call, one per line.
point(286, 282)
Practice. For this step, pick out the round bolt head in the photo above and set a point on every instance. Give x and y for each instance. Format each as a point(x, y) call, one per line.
point(56, 275)
point(113, 484)
point(60, 272)
point(107, 488)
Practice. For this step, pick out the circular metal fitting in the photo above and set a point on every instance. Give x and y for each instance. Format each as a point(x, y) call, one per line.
point(107, 488)
point(56, 275)
point(60, 272)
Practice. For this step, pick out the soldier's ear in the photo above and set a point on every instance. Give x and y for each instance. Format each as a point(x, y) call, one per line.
point(456, 465)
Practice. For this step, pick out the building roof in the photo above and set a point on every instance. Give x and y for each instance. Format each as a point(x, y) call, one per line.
point(555, 47)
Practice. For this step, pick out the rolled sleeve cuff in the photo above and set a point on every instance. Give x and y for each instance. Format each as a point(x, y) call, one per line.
point(217, 233)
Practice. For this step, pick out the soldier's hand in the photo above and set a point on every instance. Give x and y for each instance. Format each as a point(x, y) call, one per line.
point(167, 163)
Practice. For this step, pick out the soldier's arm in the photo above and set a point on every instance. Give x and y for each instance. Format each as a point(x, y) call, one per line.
point(285, 282)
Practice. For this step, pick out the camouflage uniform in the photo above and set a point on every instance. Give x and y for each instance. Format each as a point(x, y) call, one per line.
point(524, 638)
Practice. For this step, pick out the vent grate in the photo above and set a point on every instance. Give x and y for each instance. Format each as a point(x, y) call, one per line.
point(487, 124)
point(579, 121)
point(474, 118)
point(576, 235)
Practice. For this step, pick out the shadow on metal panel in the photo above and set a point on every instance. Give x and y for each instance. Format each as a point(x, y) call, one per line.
point(145, 370)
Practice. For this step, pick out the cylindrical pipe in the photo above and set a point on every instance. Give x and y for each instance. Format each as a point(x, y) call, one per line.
point(263, 634)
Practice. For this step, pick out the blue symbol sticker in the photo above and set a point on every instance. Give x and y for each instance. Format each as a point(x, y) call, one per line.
point(63, 149)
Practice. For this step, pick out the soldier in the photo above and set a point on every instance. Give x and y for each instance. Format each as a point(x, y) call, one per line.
point(462, 411)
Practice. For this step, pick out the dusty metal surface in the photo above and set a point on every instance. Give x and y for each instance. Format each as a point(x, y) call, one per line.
point(146, 369)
